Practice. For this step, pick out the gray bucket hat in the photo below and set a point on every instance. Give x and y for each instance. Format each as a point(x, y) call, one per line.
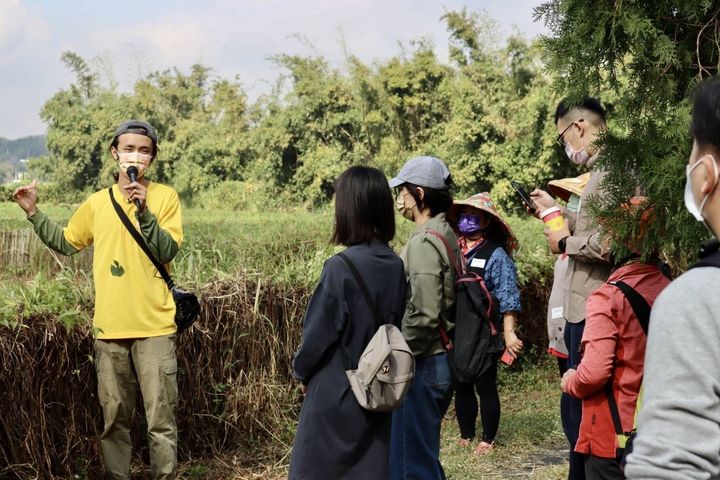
point(139, 127)
point(423, 171)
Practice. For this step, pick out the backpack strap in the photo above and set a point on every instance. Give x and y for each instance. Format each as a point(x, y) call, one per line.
point(484, 253)
point(640, 306)
point(368, 298)
point(458, 267)
point(641, 310)
point(620, 434)
point(141, 242)
point(363, 288)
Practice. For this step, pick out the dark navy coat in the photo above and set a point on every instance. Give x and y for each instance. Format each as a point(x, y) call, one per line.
point(336, 438)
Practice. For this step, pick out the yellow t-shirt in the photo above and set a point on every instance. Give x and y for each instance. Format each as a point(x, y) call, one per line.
point(131, 298)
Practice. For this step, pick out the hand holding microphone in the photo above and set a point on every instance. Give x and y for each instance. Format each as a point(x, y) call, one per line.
point(137, 191)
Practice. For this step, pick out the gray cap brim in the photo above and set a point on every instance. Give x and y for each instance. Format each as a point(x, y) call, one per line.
point(396, 182)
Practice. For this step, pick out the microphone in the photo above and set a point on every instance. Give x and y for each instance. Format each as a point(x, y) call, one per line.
point(132, 173)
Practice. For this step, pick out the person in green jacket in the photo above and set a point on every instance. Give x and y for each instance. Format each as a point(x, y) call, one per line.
point(431, 257)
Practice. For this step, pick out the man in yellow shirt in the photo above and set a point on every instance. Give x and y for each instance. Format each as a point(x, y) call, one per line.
point(134, 310)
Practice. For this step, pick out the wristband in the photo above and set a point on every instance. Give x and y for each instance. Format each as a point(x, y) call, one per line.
point(562, 244)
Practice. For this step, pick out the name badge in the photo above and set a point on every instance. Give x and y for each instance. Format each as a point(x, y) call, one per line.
point(478, 263)
point(557, 312)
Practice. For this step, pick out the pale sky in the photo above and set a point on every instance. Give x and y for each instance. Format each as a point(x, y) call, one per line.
point(131, 38)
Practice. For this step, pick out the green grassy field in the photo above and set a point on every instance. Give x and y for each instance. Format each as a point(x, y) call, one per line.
point(290, 247)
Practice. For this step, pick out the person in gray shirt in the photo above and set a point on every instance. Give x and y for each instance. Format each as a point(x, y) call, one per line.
point(679, 423)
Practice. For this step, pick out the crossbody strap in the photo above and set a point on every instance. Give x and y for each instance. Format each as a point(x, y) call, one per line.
point(141, 242)
point(641, 309)
point(363, 288)
point(457, 265)
point(640, 306)
point(368, 298)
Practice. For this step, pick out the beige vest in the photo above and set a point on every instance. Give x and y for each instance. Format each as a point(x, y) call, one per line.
point(588, 266)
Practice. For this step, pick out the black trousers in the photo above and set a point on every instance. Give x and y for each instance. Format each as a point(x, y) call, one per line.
point(571, 408)
point(466, 405)
point(597, 468)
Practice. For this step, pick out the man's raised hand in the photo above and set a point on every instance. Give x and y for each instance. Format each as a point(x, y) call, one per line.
point(26, 197)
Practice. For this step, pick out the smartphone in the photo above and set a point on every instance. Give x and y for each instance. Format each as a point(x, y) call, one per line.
point(506, 358)
point(524, 196)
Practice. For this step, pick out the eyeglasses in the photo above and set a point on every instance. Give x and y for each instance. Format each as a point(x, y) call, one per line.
point(559, 138)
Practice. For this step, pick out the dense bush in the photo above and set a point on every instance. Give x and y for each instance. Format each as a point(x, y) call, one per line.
point(488, 114)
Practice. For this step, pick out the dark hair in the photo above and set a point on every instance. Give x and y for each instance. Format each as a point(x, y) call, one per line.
point(437, 200)
point(705, 126)
point(587, 103)
point(364, 207)
point(116, 139)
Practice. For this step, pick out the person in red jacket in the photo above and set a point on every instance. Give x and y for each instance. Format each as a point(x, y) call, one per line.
point(613, 346)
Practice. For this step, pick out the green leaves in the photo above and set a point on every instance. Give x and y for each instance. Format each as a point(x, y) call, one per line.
point(487, 115)
point(644, 57)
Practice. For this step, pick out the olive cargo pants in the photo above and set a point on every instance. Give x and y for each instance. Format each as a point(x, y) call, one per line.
point(121, 366)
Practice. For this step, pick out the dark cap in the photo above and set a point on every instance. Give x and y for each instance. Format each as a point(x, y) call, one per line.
point(139, 127)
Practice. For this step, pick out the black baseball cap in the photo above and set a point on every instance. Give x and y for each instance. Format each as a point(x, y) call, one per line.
point(136, 126)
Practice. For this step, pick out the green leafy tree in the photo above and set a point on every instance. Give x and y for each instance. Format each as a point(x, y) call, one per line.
point(647, 56)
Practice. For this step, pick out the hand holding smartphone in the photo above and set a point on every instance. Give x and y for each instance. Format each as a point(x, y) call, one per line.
point(507, 358)
point(524, 197)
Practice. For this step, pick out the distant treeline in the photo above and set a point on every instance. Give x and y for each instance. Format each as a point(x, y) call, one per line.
point(12, 151)
point(488, 113)
point(21, 148)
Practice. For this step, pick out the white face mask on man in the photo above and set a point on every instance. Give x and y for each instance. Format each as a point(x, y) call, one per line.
point(690, 197)
point(578, 157)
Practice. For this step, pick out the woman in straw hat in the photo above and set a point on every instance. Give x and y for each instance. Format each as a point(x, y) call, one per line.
point(487, 243)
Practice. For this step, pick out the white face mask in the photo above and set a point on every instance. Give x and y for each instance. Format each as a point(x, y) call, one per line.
point(690, 197)
point(141, 161)
point(578, 157)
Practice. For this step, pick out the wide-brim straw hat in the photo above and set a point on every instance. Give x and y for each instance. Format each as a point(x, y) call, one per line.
point(565, 187)
point(483, 202)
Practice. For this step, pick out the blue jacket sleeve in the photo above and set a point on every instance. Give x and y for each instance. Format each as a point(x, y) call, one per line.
point(501, 278)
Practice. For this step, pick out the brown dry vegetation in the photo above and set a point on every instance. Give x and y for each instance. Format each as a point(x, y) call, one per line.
point(238, 404)
point(233, 379)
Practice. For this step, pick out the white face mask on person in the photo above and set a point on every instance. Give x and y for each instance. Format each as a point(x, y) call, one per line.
point(578, 157)
point(141, 161)
point(690, 197)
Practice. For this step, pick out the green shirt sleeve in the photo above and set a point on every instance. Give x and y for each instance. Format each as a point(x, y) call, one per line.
point(51, 234)
point(425, 280)
point(161, 243)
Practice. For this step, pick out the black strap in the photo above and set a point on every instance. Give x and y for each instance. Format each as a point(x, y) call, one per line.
point(614, 412)
point(483, 253)
point(373, 308)
point(363, 288)
point(641, 309)
point(141, 242)
point(640, 306)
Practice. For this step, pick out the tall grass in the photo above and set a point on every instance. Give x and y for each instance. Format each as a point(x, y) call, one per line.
point(254, 273)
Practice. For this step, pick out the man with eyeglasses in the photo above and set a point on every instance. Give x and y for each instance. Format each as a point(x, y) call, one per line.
point(578, 126)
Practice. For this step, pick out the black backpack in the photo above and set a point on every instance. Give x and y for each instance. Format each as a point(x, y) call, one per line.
point(477, 342)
